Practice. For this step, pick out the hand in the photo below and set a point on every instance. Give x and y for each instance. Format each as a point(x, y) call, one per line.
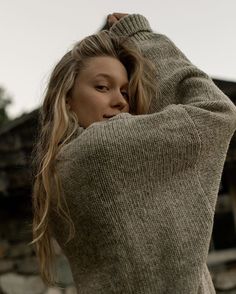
point(114, 17)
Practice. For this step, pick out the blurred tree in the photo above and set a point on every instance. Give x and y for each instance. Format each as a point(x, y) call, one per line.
point(5, 100)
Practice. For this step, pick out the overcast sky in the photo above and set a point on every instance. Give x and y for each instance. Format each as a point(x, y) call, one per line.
point(35, 34)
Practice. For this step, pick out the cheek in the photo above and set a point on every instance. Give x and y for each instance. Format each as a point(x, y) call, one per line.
point(97, 100)
point(83, 99)
point(89, 101)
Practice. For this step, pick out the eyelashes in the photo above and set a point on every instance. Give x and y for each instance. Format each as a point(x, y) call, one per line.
point(103, 89)
point(125, 94)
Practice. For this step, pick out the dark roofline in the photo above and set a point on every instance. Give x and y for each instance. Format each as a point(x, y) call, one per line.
point(228, 87)
point(5, 128)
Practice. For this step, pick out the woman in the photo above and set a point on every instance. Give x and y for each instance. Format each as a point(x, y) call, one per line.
point(139, 176)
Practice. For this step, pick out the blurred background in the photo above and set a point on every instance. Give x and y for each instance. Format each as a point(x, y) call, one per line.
point(34, 35)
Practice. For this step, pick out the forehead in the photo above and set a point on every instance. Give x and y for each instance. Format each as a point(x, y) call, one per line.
point(104, 66)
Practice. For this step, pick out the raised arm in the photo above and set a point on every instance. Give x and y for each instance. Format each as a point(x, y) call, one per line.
point(186, 87)
point(178, 80)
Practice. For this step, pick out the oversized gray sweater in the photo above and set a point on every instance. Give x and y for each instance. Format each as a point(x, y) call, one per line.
point(142, 189)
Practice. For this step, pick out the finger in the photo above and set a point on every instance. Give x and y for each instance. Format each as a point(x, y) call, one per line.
point(119, 15)
point(111, 19)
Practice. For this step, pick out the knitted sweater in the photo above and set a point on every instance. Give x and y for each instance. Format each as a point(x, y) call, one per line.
point(142, 189)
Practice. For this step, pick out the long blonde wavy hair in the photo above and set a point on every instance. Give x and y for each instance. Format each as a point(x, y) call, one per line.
point(58, 125)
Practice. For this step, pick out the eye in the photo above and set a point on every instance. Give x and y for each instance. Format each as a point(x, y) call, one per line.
point(125, 94)
point(101, 88)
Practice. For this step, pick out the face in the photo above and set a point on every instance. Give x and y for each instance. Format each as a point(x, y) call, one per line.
point(100, 90)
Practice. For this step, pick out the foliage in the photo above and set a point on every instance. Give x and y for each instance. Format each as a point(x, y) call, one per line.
point(5, 100)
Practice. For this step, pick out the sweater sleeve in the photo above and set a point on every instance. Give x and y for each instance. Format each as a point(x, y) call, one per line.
point(141, 189)
point(187, 88)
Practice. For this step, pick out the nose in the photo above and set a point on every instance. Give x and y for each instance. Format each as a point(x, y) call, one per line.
point(118, 100)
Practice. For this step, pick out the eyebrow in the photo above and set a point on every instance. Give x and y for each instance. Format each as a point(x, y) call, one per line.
point(103, 75)
point(108, 77)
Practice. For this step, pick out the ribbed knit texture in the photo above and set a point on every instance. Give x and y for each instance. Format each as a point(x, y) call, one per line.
point(142, 189)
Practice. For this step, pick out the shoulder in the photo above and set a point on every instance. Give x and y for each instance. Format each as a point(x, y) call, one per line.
point(68, 148)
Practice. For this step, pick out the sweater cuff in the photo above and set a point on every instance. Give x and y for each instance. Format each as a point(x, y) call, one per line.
point(132, 24)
